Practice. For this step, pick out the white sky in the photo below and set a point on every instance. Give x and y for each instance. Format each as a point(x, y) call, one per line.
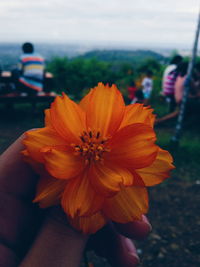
point(154, 22)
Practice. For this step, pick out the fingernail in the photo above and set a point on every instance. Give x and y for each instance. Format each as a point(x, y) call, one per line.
point(133, 258)
point(131, 249)
point(144, 219)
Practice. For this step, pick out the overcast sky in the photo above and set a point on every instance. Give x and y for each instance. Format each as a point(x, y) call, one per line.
point(157, 22)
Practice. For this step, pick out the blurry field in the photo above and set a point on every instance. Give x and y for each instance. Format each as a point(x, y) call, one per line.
point(174, 205)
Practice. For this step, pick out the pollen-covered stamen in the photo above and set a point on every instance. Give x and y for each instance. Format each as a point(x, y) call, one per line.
point(98, 135)
point(92, 146)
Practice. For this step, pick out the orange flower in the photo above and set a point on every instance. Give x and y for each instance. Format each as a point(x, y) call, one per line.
point(97, 158)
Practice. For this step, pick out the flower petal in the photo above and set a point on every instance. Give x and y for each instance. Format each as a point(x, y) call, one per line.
point(47, 119)
point(133, 146)
point(137, 113)
point(36, 166)
point(90, 224)
point(49, 191)
point(67, 118)
point(128, 205)
point(105, 110)
point(107, 180)
point(37, 139)
point(137, 179)
point(79, 198)
point(62, 164)
point(158, 170)
point(84, 103)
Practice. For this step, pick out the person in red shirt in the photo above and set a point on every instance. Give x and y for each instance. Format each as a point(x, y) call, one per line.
point(131, 91)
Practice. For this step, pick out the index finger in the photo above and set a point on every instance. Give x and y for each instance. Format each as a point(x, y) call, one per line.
point(17, 177)
point(19, 218)
point(135, 229)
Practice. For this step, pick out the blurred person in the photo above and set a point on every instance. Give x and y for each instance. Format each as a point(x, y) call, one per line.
point(139, 97)
point(177, 87)
point(196, 80)
point(131, 90)
point(180, 82)
point(178, 92)
point(30, 71)
point(32, 237)
point(168, 81)
point(147, 86)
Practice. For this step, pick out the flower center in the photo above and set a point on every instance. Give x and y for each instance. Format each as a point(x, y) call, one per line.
point(92, 147)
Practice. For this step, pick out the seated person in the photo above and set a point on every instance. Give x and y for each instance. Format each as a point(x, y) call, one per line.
point(31, 71)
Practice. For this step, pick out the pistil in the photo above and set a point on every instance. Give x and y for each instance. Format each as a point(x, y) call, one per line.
point(92, 146)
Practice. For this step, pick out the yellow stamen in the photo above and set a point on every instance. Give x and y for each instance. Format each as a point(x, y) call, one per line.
point(93, 146)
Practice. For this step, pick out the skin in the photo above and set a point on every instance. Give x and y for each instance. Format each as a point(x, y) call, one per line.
point(32, 237)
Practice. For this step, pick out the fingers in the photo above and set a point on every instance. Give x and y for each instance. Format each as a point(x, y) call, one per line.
point(112, 242)
point(124, 255)
point(16, 221)
point(135, 229)
point(119, 250)
point(7, 257)
point(16, 176)
point(57, 244)
point(19, 218)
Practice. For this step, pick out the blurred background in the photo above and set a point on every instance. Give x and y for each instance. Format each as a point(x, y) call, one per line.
point(115, 41)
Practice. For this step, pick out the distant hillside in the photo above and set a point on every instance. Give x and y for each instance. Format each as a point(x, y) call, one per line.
point(133, 56)
point(9, 53)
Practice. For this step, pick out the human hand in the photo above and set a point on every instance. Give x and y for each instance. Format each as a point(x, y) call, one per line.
point(31, 237)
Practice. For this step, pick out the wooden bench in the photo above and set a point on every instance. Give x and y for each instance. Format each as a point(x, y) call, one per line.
point(9, 97)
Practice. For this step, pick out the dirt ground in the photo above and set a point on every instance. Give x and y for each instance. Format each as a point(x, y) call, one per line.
point(174, 208)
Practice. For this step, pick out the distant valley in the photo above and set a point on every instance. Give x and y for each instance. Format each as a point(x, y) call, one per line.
point(9, 53)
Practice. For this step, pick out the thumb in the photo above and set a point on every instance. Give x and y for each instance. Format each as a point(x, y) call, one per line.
point(57, 244)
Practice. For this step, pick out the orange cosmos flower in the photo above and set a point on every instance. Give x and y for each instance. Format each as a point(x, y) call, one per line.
point(97, 158)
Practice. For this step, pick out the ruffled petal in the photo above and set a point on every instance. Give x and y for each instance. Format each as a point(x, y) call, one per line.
point(107, 180)
point(79, 198)
point(159, 170)
point(105, 110)
point(133, 146)
point(128, 205)
point(84, 103)
point(47, 119)
point(137, 113)
point(49, 191)
point(35, 140)
point(90, 224)
point(137, 179)
point(67, 118)
point(62, 164)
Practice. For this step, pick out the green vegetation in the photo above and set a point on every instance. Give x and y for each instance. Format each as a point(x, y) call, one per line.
point(132, 56)
point(76, 76)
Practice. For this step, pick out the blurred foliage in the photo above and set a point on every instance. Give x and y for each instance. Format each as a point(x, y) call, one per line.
point(76, 76)
point(130, 56)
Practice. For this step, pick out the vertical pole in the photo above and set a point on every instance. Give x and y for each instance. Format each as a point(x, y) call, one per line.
point(179, 125)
